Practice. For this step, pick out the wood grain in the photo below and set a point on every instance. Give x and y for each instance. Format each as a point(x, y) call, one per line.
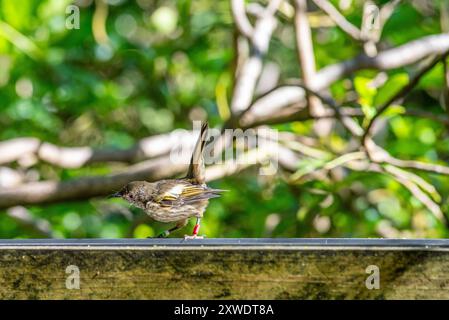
point(154, 269)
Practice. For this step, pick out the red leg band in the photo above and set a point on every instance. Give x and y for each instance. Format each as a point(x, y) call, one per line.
point(196, 229)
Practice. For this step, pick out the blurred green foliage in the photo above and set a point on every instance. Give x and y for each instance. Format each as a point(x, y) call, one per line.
point(137, 68)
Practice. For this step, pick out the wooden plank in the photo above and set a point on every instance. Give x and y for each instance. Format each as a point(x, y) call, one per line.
point(224, 268)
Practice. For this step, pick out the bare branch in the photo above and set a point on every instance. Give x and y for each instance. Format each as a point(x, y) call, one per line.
point(423, 184)
point(386, 11)
point(419, 194)
point(401, 56)
point(274, 101)
point(24, 218)
point(418, 165)
point(380, 155)
point(82, 188)
point(14, 149)
point(400, 94)
point(373, 23)
point(446, 87)
point(301, 176)
point(76, 157)
point(339, 19)
point(251, 69)
point(57, 191)
point(444, 23)
point(10, 177)
point(371, 28)
point(306, 150)
point(241, 19)
point(352, 126)
point(306, 57)
point(403, 179)
point(233, 166)
point(298, 112)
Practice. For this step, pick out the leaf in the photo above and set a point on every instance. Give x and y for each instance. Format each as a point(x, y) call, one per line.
point(16, 13)
point(366, 95)
point(390, 88)
point(143, 231)
point(394, 110)
point(368, 110)
point(365, 91)
point(307, 166)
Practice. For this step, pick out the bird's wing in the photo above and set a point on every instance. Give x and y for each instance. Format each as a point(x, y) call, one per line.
point(180, 193)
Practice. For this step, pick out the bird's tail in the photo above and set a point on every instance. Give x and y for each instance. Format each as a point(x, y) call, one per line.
point(207, 194)
point(196, 169)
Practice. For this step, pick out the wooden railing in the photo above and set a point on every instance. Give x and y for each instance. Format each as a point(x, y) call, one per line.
point(224, 269)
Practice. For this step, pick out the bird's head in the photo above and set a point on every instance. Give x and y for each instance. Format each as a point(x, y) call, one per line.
point(135, 192)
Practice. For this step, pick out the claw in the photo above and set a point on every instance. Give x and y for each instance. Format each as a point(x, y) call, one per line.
point(163, 234)
point(195, 231)
point(194, 236)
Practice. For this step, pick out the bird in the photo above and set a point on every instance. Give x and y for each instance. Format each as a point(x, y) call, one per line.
point(175, 200)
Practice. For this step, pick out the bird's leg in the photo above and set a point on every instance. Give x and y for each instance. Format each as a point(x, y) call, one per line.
point(179, 225)
point(195, 231)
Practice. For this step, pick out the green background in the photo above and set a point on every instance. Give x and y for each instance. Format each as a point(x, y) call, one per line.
point(162, 63)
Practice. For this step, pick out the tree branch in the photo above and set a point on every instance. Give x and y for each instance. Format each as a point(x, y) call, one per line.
point(76, 157)
point(55, 191)
point(401, 56)
point(151, 170)
point(410, 183)
point(298, 112)
point(446, 87)
point(339, 19)
point(418, 165)
point(418, 193)
point(306, 57)
point(24, 218)
point(251, 69)
point(241, 19)
point(380, 155)
point(400, 94)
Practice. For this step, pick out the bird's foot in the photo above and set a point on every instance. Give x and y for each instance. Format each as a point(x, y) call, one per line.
point(194, 236)
point(162, 235)
point(195, 232)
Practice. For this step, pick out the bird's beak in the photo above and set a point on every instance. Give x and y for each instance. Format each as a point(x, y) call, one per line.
point(115, 195)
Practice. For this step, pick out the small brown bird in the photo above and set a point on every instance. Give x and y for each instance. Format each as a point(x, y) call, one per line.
point(175, 200)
